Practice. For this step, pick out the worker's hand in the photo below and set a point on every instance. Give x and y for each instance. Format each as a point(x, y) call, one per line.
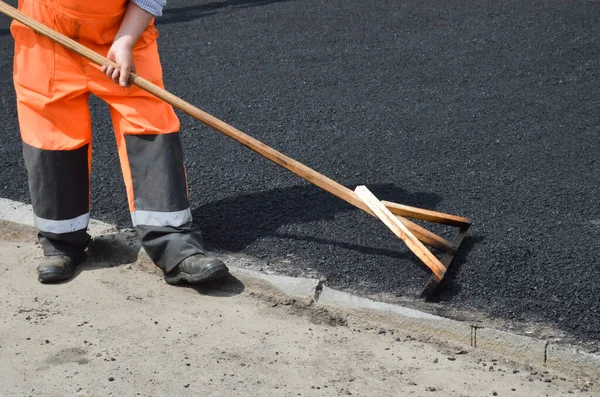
point(134, 23)
point(121, 53)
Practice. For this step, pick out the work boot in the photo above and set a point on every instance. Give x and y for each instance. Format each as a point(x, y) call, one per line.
point(57, 268)
point(197, 269)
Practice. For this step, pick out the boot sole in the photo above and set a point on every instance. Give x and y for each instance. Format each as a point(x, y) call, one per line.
point(209, 275)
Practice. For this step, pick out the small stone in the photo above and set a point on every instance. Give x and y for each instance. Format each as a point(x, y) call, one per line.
point(186, 386)
point(397, 339)
point(111, 379)
point(47, 341)
point(513, 389)
point(494, 394)
point(382, 331)
point(452, 358)
point(515, 371)
point(435, 361)
point(412, 383)
point(187, 364)
point(548, 380)
point(430, 388)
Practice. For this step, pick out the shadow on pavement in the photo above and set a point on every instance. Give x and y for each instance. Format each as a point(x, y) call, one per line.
point(234, 223)
point(190, 13)
point(111, 250)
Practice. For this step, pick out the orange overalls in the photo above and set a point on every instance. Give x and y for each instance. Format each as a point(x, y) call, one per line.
point(52, 87)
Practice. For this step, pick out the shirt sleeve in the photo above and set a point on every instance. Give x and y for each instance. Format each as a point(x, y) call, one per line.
point(154, 7)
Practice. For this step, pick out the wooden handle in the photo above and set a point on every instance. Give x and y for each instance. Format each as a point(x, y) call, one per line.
point(288, 163)
point(427, 215)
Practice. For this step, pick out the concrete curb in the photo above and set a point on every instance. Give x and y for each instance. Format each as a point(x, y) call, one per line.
point(522, 349)
point(513, 347)
point(297, 288)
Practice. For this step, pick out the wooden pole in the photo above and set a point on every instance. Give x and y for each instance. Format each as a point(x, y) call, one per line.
point(253, 144)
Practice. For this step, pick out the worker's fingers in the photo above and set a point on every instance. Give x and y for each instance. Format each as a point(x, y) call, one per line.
point(122, 56)
point(125, 71)
point(115, 75)
point(108, 70)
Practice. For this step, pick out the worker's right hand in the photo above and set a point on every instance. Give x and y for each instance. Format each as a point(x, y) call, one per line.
point(121, 54)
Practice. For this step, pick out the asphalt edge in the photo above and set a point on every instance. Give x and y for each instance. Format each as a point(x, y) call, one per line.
point(512, 347)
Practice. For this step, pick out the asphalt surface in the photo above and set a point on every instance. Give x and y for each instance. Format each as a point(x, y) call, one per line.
point(485, 109)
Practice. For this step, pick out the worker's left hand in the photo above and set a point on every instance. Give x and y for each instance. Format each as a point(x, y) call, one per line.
point(121, 54)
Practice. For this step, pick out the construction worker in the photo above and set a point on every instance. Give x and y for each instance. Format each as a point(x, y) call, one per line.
point(52, 87)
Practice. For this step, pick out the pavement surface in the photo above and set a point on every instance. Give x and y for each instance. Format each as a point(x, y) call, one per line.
point(118, 329)
point(484, 109)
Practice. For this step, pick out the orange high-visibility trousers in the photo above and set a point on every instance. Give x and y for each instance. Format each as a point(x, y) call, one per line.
point(52, 87)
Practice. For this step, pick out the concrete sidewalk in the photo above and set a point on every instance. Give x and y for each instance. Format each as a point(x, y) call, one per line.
point(117, 329)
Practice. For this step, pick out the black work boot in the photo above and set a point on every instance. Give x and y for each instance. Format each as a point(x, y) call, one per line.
point(197, 269)
point(57, 268)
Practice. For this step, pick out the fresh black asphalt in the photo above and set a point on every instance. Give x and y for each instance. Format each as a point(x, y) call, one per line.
point(485, 109)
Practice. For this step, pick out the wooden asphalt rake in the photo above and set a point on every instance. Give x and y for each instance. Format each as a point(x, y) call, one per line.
point(393, 215)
